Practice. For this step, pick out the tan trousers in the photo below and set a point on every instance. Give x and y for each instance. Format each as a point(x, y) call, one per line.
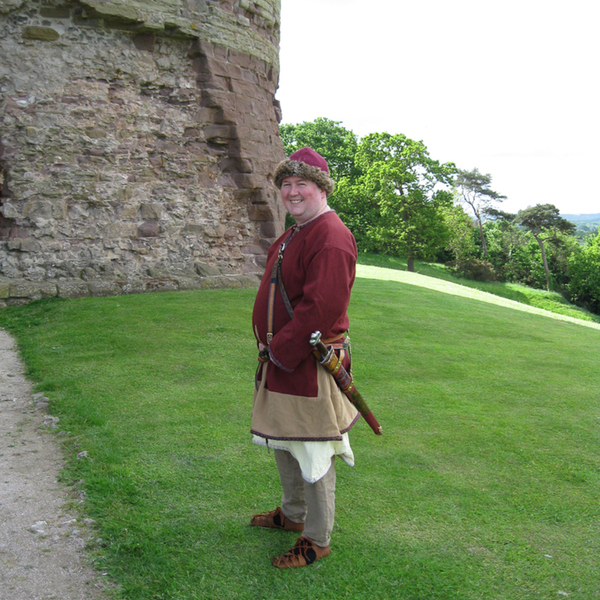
point(310, 503)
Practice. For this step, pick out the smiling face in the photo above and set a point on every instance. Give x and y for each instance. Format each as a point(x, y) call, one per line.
point(303, 199)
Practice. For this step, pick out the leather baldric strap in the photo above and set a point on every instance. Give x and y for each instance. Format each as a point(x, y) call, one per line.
point(276, 279)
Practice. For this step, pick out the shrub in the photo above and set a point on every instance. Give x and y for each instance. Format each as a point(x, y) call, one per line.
point(584, 271)
point(476, 269)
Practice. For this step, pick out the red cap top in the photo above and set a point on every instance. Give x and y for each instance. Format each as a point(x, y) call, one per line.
point(310, 157)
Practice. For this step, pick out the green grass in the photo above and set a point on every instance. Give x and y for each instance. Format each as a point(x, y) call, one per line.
point(551, 301)
point(485, 484)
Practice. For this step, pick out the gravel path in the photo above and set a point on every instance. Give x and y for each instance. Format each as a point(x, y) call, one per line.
point(42, 539)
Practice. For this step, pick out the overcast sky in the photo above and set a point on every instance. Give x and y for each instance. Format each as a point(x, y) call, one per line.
point(509, 87)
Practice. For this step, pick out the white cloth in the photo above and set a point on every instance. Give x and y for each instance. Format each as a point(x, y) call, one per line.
point(314, 458)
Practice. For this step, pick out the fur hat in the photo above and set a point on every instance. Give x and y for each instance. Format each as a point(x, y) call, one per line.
point(308, 164)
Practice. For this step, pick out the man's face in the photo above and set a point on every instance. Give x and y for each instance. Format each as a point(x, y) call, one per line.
point(302, 198)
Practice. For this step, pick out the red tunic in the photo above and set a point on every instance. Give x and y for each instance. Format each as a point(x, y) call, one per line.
point(318, 270)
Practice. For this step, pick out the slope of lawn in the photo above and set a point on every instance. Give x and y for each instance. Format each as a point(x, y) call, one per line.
point(485, 484)
point(527, 296)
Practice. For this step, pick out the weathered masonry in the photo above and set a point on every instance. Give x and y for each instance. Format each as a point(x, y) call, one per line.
point(138, 142)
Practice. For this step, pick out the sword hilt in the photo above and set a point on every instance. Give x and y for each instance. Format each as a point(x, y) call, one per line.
point(324, 351)
point(315, 338)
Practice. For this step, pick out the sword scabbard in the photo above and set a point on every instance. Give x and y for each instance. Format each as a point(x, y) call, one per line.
point(328, 358)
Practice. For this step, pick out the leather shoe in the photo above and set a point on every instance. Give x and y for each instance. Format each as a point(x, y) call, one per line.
point(275, 520)
point(304, 552)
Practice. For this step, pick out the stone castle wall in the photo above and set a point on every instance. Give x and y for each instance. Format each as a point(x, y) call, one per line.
point(138, 142)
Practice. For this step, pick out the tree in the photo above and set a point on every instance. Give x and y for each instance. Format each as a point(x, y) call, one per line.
point(584, 273)
point(336, 144)
point(499, 215)
point(505, 245)
point(461, 229)
point(544, 222)
point(356, 209)
point(401, 190)
point(474, 190)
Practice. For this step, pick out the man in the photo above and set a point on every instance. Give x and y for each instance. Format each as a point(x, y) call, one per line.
point(298, 409)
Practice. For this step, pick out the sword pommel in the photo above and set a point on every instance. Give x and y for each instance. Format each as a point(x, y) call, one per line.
point(315, 338)
point(321, 351)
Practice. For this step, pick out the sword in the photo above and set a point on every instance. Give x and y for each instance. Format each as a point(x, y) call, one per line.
point(329, 359)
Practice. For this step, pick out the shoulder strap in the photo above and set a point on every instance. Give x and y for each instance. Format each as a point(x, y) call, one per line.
point(277, 278)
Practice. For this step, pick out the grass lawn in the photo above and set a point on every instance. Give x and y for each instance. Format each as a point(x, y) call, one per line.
point(485, 484)
point(551, 301)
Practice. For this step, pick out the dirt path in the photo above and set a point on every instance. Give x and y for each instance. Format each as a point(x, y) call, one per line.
point(42, 539)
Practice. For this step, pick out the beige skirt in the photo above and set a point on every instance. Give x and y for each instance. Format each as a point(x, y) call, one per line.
point(279, 416)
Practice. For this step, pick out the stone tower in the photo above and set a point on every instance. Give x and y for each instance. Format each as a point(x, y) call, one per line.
point(138, 142)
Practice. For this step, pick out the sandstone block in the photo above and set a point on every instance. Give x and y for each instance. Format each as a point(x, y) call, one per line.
point(253, 249)
point(33, 290)
point(260, 212)
point(214, 232)
point(38, 209)
point(7, 6)
point(193, 228)
point(268, 230)
point(55, 12)
point(30, 245)
point(8, 210)
point(160, 285)
point(133, 286)
point(114, 10)
point(104, 288)
point(148, 229)
point(44, 34)
point(206, 270)
point(151, 210)
point(72, 289)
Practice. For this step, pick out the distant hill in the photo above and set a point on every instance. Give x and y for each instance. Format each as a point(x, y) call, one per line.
point(582, 218)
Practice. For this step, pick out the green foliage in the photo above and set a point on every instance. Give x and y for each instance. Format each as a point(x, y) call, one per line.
point(516, 255)
point(584, 276)
point(402, 190)
point(504, 241)
point(526, 265)
point(562, 249)
point(476, 269)
point(395, 200)
point(544, 222)
point(473, 189)
point(460, 228)
point(484, 485)
point(586, 230)
point(388, 190)
point(544, 219)
point(329, 138)
point(354, 206)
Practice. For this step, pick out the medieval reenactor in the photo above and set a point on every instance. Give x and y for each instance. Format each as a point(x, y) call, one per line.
point(301, 306)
